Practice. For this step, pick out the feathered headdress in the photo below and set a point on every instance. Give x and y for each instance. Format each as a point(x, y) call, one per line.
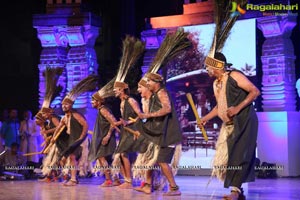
point(52, 90)
point(87, 84)
point(172, 44)
point(132, 50)
point(143, 82)
point(106, 91)
point(224, 20)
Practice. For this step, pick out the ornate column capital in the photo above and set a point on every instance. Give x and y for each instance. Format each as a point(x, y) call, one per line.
point(272, 26)
point(46, 35)
point(82, 35)
point(278, 63)
point(153, 38)
point(63, 36)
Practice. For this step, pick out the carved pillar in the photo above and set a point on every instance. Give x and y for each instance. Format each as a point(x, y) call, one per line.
point(153, 39)
point(67, 36)
point(278, 63)
point(280, 128)
point(82, 59)
point(54, 54)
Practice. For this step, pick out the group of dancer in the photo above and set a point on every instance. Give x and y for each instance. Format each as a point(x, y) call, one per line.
point(150, 135)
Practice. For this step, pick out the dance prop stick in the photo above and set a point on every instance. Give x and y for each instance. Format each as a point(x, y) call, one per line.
point(90, 132)
point(3, 152)
point(191, 101)
point(133, 119)
point(42, 145)
point(135, 133)
point(56, 135)
point(46, 141)
point(33, 153)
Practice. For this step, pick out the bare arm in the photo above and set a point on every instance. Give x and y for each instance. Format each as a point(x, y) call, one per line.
point(165, 103)
point(135, 106)
point(63, 122)
point(244, 83)
point(55, 121)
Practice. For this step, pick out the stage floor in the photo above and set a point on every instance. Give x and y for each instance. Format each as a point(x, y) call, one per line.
point(192, 187)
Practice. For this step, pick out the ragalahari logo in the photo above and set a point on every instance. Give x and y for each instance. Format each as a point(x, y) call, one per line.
point(236, 9)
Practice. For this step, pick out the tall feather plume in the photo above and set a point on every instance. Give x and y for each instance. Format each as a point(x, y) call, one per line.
point(132, 49)
point(224, 20)
point(87, 84)
point(170, 47)
point(107, 89)
point(51, 77)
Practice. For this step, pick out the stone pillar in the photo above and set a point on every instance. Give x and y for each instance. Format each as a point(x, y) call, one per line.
point(54, 54)
point(81, 60)
point(67, 37)
point(278, 63)
point(153, 39)
point(278, 131)
point(72, 48)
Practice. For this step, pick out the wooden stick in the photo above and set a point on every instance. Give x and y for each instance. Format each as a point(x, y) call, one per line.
point(3, 152)
point(46, 141)
point(136, 133)
point(55, 135)
point(133, 119)
point(32, 153)
point(191, 101)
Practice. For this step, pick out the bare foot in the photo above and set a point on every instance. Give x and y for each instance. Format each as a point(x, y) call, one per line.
point(173, 191)
point(147, 188)
point(125, 185)
point(139, 188)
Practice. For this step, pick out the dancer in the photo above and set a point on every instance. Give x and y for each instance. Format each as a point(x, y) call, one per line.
point(235, 149)
point(50, 162)
point(76, 127)
point(162, 126)
point(127, 147)
point(103, 142)
point(147, 159)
